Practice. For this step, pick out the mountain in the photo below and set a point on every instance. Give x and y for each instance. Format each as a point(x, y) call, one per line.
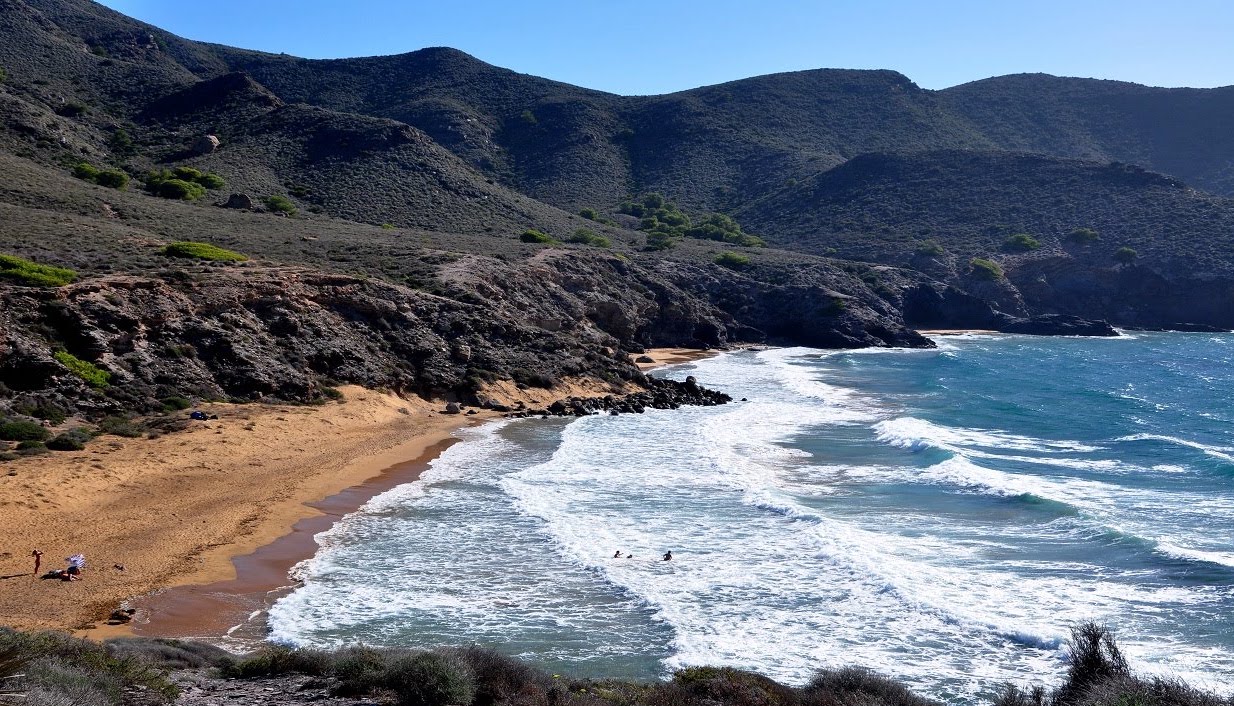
point(383, 204)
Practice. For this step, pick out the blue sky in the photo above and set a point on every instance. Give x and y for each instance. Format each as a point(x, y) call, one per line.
point(642, 47)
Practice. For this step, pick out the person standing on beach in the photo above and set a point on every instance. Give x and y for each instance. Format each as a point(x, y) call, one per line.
point(38, 561)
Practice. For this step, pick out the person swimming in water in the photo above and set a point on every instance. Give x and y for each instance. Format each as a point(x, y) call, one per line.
point(668, 556)
point(617, 555)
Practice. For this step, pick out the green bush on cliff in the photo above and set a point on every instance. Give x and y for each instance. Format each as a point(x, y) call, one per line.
point(1126, 255)
point(183, 183)
point(280, 204)
point(532, 235)
point(179, 189)
point(111, 178)
point(84, 369)
point(582, 236)
point(982, 268)
point(659, 216)
point(1083, 236)
point(1021, 242)
point(202, 251)
point(33, 274)
point(732, 260)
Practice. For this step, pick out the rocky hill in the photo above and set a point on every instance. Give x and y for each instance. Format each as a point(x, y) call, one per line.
point(413, 221)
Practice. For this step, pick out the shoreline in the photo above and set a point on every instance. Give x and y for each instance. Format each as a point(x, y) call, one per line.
point(211, 578)
point(155, 513)
point(236, 608)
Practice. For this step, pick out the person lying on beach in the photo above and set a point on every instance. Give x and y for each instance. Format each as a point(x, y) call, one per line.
point(77, 562)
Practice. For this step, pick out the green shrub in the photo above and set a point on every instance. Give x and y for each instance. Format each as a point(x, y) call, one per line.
point(429, 679)
point(92, 374)
point(175, 403)
point(529, 118)
point(985, 269)
point(86, 171)
point(534, 236)
point(659, 215)
point(167, 653)
point(1126, 255)
point(1021, 242)
point(60, 669)
point(30, 445)
point(387, 226)
point(186, 174)
point(41, 410)
point(4, 75)
point(854, 685)
point(211, 181)
point(22, 430)
point(72, 109)
point(660, 241)
point(33, 274)
point(280, 204)
point(589, 213)
point(732, 260)
point(202, 251)
point(1083, 236)
point(119, 426)
point(930, 248)
point(71, 440)
point(582, 236)
point(180, 189)
point(120, 143)
point(359, 670)
point(113, 179)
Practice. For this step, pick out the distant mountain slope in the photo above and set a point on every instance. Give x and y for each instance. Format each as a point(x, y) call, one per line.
point(881, 206)
point(716, 147)
point(901, 209)
point(1186, 132)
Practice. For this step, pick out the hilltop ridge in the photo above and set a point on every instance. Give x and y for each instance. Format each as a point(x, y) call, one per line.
point(432, 181)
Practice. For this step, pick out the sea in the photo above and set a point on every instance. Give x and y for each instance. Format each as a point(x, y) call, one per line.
point(944, 517)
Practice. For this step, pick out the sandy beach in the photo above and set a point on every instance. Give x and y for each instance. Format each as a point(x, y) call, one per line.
point(176, 509)
point(669, 356)
point(205, 522)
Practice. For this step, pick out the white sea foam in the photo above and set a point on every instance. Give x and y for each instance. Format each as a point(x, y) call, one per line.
point(1225, 453)
point(913, 433)
point(510, 543)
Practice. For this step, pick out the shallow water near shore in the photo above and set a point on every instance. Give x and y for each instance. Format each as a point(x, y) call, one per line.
point(940, 516)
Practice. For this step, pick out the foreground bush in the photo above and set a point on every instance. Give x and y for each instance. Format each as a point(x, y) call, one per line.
point(33, 274)
point(202, 251)
point(21, 430)
point(64, 670)
point(54, 668)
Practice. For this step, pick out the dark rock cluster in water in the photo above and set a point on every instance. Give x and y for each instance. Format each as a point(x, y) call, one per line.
point(660, 394)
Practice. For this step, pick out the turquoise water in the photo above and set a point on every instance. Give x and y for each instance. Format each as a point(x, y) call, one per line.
point(940, 516)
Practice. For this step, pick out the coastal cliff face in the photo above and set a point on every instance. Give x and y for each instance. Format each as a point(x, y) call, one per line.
point(281, 333)
point(385, 204)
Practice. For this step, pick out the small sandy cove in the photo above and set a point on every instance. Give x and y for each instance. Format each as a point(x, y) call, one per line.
point(178, 509)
